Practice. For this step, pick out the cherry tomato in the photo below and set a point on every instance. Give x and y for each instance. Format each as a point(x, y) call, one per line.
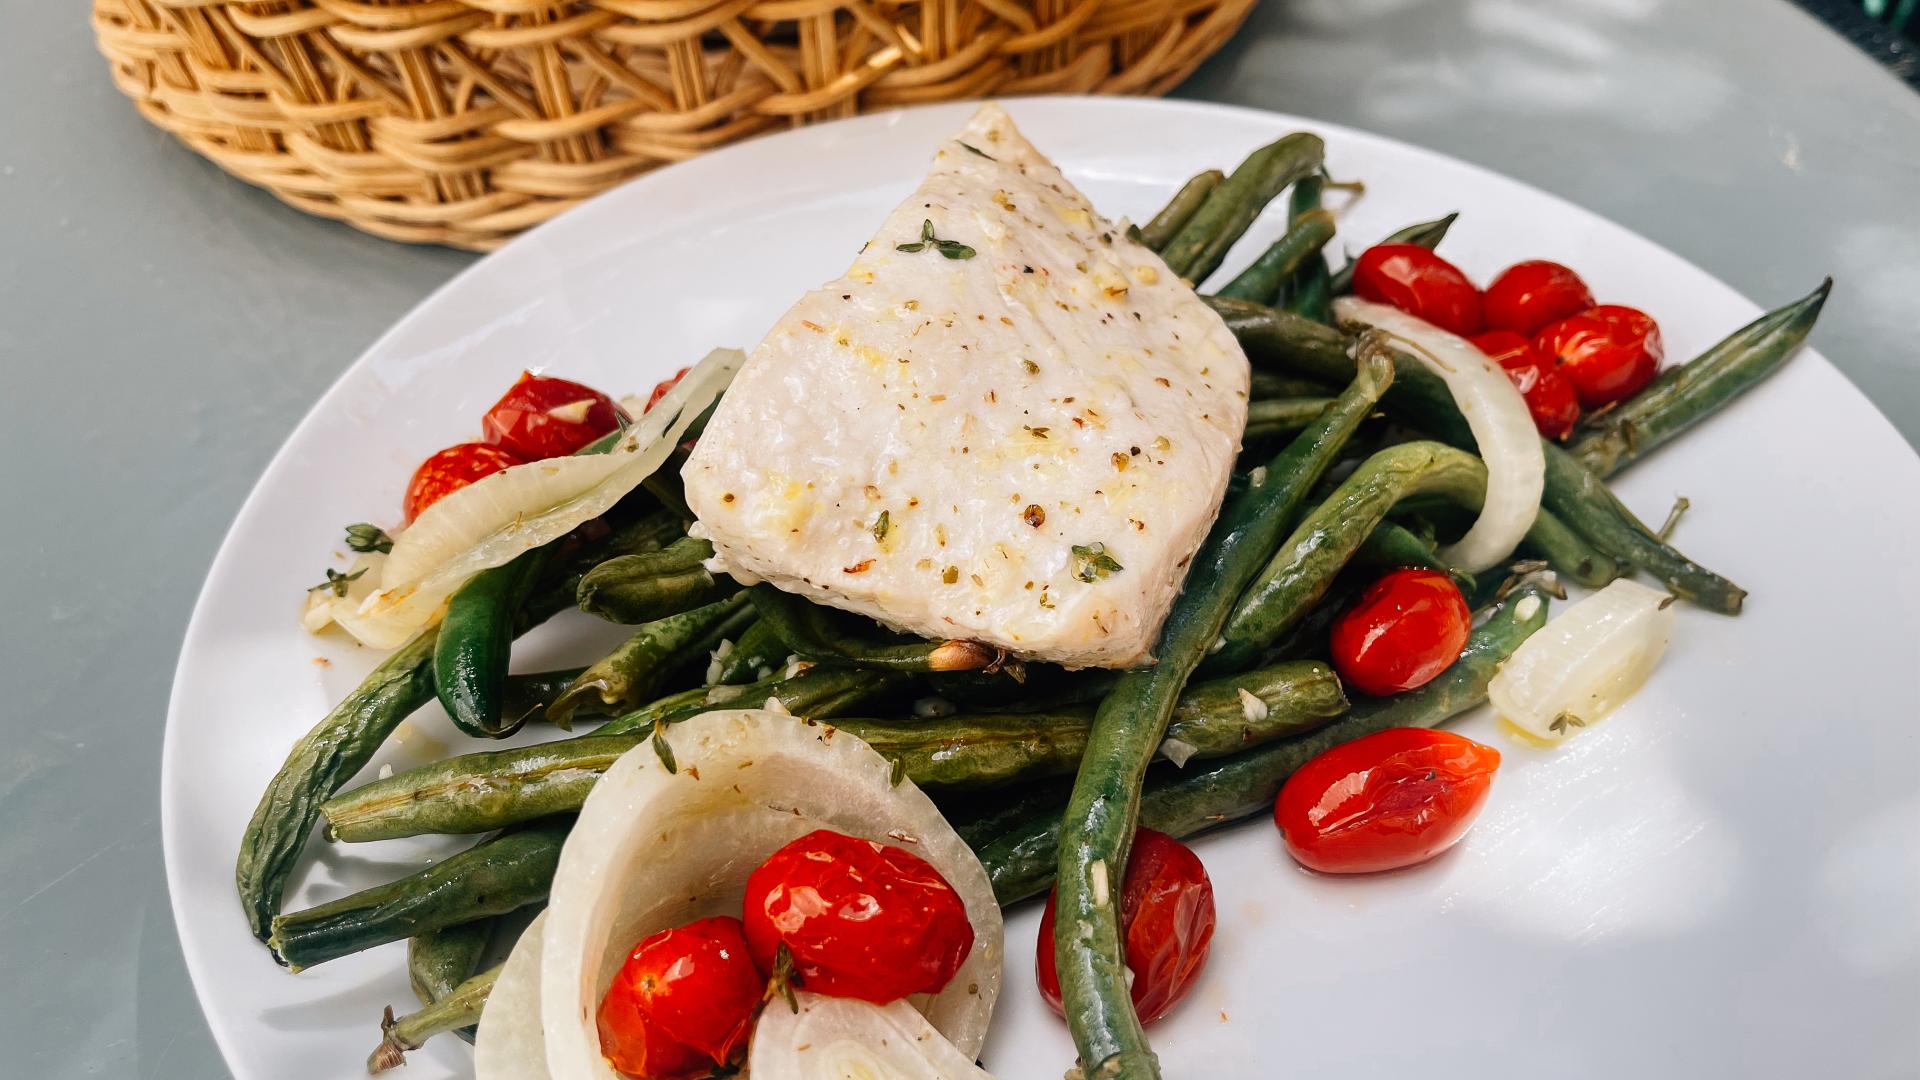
point(544, 417)
point(1404, 630)
point(682, 1003)
point(861, 920)
point(660, 389)
point(1550, 397)
point(1529, 295)
point(1395, 798)
point(1419, 283)
point(452, 469)
point(1609, 353)
point(1166, 913)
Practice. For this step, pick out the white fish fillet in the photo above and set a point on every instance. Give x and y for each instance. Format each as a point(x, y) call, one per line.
point(927, 440)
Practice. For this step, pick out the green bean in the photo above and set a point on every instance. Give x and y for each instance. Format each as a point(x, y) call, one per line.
point(1198, 247)
point(982, 816)
point(1281, 416)
point(1568, 552)
point(440, 960)
point(642, 588)
point(1020, 857)
point(643, 665)
point(1427, 234)
point(1179, 209)
point(1310, 291)
point(1262, 278)
point(458, 1009)
point(757, 653)
point(476, 636)
point(345, 739)
point(1392, 546)
point(476, 793)
point(499, 875)
point(808, 629)
point(972, 750)
point(1303, 567)
point(1420, 398)
point(1131, 722)
point(1273, 384)
point(1685, 394)
point(527, 695)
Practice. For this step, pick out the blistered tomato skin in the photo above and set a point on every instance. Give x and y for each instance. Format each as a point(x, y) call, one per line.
point(544, 417)
point(1393, 799)
point(452, 469)
point(1167, 916)
point(1405, 630)
point(682, 1003)
point(861, 920)
point(1528, 295)
point(1420, 283)
point(1609, 353)
point(1550, 398)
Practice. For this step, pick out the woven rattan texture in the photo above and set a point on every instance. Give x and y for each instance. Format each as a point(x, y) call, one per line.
point(463, 122)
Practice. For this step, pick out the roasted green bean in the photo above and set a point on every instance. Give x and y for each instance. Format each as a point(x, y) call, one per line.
point(1427, 234)
point(755, 655)
point(1020, 858)
point(642, 588)
point(499, 875)
point(641, 668)
point(1180, 209)
point(1310, 291)
point(1685, 394)
point(1196, 250)
point(1281, 416)
point(440, 960)
point(1131, 722)
point(1262, 278)
point(470, 653)
point(458, 1009)
point(809, 630)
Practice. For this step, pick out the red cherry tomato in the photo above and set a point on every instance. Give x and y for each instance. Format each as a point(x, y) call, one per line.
point(1529, 295)
point(682, 1003)
point(1395, 798)
point(1166, 913)
point(861, 920)
point(1420, 283)
point(660, 389)
point(1609, 353)
point(544, 417)
point(1404, 630)
point(452, 469)
point(1549, 395)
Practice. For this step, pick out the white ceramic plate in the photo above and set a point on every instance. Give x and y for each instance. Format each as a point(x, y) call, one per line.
point(1721, 880)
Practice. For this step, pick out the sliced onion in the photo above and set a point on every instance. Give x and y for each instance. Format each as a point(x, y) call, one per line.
point(323, 608)
point(840, 1038)
point(489, 522)
point(1498, 417)
point(1583, 664)
point(654, 849)
point(511, 1041)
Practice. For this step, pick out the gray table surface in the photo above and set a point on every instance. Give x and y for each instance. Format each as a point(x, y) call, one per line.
point(162, 327)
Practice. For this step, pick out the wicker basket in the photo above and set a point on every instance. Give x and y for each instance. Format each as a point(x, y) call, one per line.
point(465, 121)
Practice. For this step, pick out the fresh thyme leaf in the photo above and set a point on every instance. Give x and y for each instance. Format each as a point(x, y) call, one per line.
point(926, 229)
point(976, 150)
point(1564, 721)
point(661, 748)
point(952, 249)
point(362, 536)
point(337, 582)
point(1091, 562)
point(899, 772)
point(909, 247)
point(881, 525)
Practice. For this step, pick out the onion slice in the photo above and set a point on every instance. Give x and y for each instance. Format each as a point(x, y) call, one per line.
point(655, 848)
point(491, 521)
point(1496, 414)
point(1586, 662)
point(836, 1038)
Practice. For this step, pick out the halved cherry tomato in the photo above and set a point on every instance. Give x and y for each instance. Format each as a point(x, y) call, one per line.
point(544, 417)
point(660, 389)
point(452, 469)
point(860, 919)
point(1419, 283)
point(682, 1003)
point(1529, 295)
point(1405, 629)
point(1609, 353)
point(1166, 914)
point(1395, 798)
point(1549, 395)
